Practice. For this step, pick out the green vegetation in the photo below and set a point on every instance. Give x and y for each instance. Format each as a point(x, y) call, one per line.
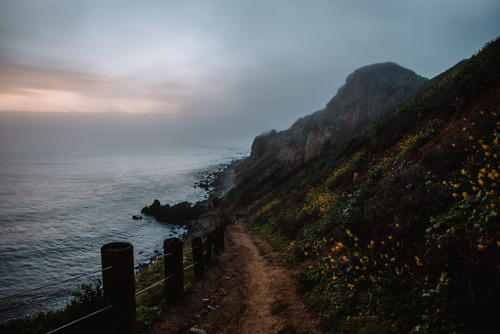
point(152, 302)
point(398, 231)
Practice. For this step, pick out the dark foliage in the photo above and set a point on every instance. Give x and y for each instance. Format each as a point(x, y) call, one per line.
point(397, 229)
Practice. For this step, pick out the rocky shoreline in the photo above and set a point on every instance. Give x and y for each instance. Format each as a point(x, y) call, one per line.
point(195, 217)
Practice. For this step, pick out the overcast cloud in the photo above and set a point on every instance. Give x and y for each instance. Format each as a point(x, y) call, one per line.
point(221, 67)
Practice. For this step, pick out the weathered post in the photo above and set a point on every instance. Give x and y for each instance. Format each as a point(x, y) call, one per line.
point(208, 248)
point(198, 262)
point(173, 253)
point(119, 284)
point(221, 239)
point(217, 235)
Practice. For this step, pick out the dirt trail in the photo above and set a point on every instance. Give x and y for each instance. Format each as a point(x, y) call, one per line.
point(248, 291)
point(273, 304)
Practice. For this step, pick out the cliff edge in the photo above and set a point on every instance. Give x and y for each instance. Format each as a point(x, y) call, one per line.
point(368, 94)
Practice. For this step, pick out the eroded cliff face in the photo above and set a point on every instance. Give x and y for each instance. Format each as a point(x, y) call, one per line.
point(368, 94)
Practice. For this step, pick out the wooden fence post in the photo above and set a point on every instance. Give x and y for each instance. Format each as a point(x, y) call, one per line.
point(217, 235)
point(221, 238)
point(119, 285)
point(199, 266)
point(208, 248)
point(174, 259)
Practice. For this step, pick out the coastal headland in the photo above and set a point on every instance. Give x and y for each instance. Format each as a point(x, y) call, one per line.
point(385, 203)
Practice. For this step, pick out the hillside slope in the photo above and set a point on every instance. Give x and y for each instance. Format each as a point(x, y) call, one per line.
point(369, 93)
point(397, 228)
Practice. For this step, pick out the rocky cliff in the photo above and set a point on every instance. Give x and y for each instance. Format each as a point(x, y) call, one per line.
point(368, 94)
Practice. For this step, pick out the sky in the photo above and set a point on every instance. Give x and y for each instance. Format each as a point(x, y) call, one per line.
point(213, 69)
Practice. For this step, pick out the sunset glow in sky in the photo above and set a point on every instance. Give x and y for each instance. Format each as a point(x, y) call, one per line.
point(256, 65)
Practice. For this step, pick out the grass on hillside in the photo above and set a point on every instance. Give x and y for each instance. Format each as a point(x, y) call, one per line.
point(398, 230)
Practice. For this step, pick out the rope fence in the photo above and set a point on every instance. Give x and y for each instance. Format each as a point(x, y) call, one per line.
point(153, 285)
point(79, 320)
point(190, 266)
point(118, 277)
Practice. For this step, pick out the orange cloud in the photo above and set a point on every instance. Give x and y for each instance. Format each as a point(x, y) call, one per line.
point(30, 88)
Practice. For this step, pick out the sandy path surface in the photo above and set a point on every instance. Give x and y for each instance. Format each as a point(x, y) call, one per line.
point(248, 291)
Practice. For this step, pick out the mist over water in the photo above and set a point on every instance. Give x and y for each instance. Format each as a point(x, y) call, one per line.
point(61, 203)
point(105, 133)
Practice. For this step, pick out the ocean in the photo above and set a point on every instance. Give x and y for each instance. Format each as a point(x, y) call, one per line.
point(57, 208)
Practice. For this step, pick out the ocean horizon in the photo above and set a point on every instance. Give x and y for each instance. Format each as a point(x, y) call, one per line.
point(60, 206)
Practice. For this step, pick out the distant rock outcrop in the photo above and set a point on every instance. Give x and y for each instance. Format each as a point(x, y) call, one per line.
point(368, 94)
point(179, 213)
